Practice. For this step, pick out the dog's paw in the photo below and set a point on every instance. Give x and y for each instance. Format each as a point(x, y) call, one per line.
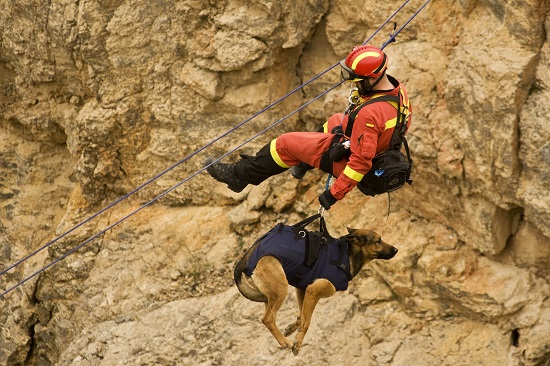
point(291, 328)
point(296, 348)
point(287, 344)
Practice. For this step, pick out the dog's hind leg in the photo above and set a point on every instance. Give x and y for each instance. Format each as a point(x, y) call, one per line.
point(270, 279)
point(319, 289)
point(291, 328)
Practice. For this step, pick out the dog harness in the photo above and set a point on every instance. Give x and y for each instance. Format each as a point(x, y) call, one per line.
point(305, 256)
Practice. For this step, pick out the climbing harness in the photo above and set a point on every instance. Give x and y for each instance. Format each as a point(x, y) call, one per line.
point(391, 170)
point(4, 271)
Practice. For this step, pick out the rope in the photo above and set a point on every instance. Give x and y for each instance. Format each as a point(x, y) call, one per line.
point(188, 156)
point(392, 37)
point(321, 210)
point(163, 172)
point(165, 192)
point(182, 161)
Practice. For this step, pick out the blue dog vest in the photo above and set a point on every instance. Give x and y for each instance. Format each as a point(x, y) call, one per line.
point(288, 244)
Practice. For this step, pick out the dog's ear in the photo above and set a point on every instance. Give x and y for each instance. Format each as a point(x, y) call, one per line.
point(352, 237)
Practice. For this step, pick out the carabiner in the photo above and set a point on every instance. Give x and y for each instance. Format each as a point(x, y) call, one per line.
point(353, 98)
point(321, 210)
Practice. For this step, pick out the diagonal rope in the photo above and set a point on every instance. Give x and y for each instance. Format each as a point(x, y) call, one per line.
point(111, 205)
point(393, 35)
point(164, 193)
point(392, 38)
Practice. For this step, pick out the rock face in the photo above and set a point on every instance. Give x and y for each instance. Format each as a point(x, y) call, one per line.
point(98, 98)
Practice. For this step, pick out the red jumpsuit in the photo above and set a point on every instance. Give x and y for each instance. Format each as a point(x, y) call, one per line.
point(372, 131)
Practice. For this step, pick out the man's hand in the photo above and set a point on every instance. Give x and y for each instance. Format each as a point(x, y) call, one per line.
point(327, 200)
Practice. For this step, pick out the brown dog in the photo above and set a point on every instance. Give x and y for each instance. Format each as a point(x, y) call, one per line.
point(268, 283)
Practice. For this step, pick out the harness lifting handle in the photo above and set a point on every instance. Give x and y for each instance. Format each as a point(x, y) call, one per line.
point(321, 211)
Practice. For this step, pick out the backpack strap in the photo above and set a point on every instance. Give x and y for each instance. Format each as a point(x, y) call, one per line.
point(398, 136)
point(355, 112)
point(400, 126)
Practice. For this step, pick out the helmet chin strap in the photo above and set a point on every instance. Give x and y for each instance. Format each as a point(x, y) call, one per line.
point(368, 90)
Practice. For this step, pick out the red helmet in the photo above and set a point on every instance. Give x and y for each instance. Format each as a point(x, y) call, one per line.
point(364, 62)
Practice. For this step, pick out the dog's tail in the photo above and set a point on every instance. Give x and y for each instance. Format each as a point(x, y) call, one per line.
point(244, 283)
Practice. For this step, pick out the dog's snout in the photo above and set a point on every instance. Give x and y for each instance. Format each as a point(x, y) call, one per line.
point(389, 253)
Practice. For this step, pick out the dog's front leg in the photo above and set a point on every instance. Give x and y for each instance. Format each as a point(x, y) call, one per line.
point(319, 289)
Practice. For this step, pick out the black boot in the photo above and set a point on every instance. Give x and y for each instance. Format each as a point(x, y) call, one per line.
point(225, 173)
point(298, 171)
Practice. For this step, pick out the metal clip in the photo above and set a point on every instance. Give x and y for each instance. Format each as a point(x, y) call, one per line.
point(353, 100)
point(393, 34)
point(353, 96)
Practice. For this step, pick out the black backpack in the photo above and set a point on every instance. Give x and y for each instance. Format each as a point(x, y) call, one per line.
point(392, 169)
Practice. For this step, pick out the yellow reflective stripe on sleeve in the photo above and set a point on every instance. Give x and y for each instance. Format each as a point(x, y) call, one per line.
point(275, 155)
point(391, 123)
point(352, 174)
point(325, 127)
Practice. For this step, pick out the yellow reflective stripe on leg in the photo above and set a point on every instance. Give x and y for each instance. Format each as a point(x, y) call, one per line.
point(275, 155)
point(352, 174)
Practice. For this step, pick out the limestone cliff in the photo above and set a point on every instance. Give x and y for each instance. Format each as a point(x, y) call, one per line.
point(99, 97)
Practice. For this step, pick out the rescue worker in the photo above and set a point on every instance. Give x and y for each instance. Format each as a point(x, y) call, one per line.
point(366, 67)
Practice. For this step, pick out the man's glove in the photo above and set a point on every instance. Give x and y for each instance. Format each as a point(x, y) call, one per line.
point(327, 199)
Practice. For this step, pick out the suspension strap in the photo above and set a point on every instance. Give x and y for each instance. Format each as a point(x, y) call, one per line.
point(355, 112)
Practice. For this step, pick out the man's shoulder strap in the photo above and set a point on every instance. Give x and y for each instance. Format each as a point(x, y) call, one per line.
point(353, 114)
